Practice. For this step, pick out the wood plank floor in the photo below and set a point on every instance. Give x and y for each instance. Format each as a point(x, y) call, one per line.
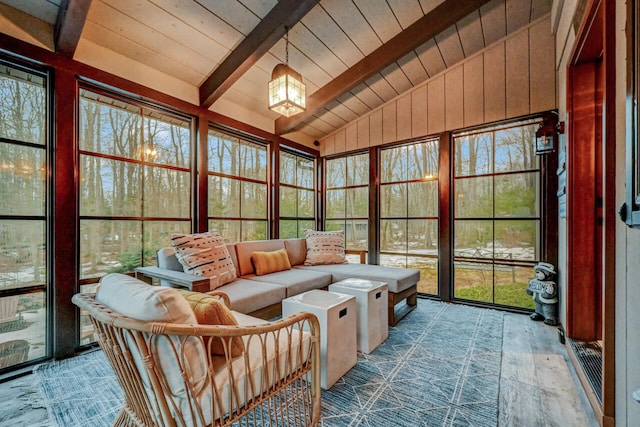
point(538, 386)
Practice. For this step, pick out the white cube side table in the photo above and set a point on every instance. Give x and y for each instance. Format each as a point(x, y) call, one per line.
point(337, 317)
point(371, 298)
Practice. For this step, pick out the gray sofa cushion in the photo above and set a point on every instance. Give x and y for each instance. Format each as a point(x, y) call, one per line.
point(398, 279)
point(296, 280)
point(247, 296)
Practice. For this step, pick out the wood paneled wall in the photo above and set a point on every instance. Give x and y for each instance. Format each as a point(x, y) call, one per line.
point(513, 77)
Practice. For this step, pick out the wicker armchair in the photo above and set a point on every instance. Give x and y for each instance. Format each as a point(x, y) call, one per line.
point(170, 378)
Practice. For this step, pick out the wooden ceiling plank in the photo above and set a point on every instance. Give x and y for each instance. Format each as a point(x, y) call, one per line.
point(494, 21)
point(425, 28)
point(413, 68)
point(251, 48)
point(70, 21)
point(449, 43)
point(470, 31)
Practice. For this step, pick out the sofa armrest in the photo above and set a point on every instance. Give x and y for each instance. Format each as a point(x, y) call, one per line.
point(362, 253)
point(175, 278)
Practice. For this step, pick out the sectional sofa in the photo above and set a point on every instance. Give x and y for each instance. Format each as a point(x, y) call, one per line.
point(261, 295)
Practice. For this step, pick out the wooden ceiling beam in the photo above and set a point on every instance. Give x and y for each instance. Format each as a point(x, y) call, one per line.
point(69, 24)
point(266, 34)
point(424, 29)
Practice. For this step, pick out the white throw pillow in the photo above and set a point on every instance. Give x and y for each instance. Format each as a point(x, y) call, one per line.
point(206, 255)
point(325, 247)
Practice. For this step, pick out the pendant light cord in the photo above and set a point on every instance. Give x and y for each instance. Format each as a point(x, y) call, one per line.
point(286, 45)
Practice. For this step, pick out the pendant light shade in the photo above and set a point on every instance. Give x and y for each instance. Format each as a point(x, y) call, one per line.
point(287, 93)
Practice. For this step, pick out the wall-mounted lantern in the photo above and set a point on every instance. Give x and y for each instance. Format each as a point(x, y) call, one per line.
point(547, 133)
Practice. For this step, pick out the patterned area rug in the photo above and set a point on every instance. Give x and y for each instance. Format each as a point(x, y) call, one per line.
point(439, 367)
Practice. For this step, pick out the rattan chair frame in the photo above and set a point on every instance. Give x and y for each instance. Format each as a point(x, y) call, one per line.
point(287, 392)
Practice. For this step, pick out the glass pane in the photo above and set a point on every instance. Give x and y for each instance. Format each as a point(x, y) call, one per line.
point(167, 193)
point(511, 285)
point(422, 199)
point(22, 179)
point(399, 261)
point(157, 235)
point(473, 281)
point(428, 267)
point(109, 187)
point(306, 203)
point(393, 235)
point(222, 154)
point(87, 335)
point(336, 172)
point(393, 164)
point(473, 239)
point(23, 330)
point(224, 197)
point(288, 198)
point(254, 200)
point(305, 225)
point(22, 253)
point(253, 161)
point(113, 129)
point(357, 202)
point(473, 154)
point(229, 229)
point(305, 173)
point(167, 140)
point(336, 206)
point(287, 168)
point(517, 240)
point(474, 197)
point(334, 225)
point(357, 234)
point(515, 149)
point(231, 156)
point(288, 228)
point(393, 200)
point(23, 110)
point(423, 237)
point(358, 170)
point(422, 160)
point(109, 247)
point(517, 195)
point(254, 230)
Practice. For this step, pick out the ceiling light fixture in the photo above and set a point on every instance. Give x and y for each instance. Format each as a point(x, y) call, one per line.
point(286, 91)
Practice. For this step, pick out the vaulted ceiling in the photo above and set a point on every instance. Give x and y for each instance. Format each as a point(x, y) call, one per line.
point(354, 55)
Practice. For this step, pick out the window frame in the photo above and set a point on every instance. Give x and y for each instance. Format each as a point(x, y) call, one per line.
point(630, 210)
point(246, 140)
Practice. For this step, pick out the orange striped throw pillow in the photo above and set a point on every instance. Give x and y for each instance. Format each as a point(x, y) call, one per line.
point(270, 262)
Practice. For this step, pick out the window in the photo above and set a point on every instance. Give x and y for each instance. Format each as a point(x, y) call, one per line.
point(297, 195)
point(409, 210)
point(23, 215)
point(497, 222)
point(237, 187)
point(135, 183)
point(347, 199)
